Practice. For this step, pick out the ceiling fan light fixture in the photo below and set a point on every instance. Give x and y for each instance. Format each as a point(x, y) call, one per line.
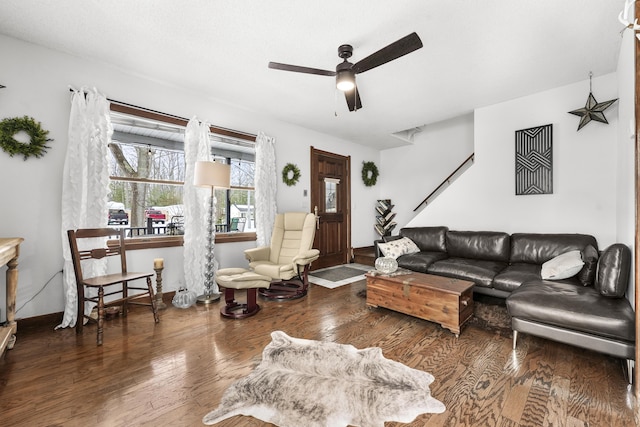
point(345, 80)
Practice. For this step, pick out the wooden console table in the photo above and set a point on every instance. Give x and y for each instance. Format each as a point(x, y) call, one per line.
point(9, 251)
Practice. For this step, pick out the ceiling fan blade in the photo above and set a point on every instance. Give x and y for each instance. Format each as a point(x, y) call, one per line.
point(298, 69)
point(353, 99)
point(395, 50)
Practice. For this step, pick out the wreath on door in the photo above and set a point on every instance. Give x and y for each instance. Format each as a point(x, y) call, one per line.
point(38, 137)
point(290, 174)
point(369, 173)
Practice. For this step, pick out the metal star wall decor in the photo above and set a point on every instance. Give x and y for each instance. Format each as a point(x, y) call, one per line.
point(593, 110)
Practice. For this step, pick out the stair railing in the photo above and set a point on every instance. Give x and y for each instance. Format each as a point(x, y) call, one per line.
point(447, 180)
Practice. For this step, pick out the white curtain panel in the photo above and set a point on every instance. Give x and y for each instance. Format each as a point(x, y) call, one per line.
point(196, 207)
point(85, 185)
point(265, 188)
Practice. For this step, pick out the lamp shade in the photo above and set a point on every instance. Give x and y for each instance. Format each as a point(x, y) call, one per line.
point(212, 174)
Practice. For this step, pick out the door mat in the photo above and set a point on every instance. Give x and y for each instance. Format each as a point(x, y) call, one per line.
point(333, 277)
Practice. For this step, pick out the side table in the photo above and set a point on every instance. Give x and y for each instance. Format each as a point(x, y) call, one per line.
point(9, 252)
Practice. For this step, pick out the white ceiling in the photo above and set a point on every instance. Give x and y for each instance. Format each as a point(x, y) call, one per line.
point(476, 52)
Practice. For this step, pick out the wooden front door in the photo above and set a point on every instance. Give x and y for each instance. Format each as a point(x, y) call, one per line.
point(331, 202)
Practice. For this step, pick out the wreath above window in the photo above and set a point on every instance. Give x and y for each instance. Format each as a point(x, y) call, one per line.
point(369, 173)
point(290, 174)
point(36, 147)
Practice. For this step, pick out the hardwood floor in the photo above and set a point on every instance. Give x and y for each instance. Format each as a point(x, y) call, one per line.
point(173, 373)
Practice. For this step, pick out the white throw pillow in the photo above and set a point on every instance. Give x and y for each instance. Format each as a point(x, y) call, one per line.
point(395, 248)
point(563, 266)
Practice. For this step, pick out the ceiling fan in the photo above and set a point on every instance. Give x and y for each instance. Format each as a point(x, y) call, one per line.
point(345, 72)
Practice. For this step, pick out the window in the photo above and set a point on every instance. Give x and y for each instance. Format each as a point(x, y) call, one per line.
point(147, 172)
point(241, 196)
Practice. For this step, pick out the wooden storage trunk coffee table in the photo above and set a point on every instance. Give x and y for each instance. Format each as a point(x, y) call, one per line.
point(438, 299)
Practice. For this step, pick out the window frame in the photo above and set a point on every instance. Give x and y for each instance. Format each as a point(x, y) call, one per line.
point(164, 241)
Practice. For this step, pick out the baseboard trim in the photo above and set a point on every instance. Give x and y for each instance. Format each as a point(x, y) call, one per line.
point(54, 319)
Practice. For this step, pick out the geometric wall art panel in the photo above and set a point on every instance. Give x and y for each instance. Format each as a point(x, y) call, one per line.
point(534, 171)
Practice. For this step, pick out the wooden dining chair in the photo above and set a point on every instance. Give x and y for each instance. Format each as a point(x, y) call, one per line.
point(81, 253)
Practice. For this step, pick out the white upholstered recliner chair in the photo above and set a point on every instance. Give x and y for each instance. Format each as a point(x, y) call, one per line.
point(288, 259)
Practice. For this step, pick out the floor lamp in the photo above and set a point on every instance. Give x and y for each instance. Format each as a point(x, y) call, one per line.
point(212, 175)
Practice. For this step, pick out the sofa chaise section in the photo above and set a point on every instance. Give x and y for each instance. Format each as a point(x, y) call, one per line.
point(596, 317)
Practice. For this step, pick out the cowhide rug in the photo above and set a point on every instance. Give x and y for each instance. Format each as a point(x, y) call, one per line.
point(312, 383)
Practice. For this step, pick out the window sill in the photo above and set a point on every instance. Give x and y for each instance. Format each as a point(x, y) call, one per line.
point(149, 242)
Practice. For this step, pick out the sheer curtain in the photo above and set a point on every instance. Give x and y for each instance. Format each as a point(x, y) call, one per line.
point(196, 211)
point(85, 184)
point(265, 188)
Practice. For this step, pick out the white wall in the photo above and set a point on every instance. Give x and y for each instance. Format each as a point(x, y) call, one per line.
point(38, 80)
point(584, 165)
point(593, 169)
point(625, 191)
point(408, 174)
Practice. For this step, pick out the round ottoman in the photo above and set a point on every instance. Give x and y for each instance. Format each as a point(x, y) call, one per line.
point(239, 278)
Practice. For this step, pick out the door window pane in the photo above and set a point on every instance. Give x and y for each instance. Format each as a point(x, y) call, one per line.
point(330, 192)
point(330, 189)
